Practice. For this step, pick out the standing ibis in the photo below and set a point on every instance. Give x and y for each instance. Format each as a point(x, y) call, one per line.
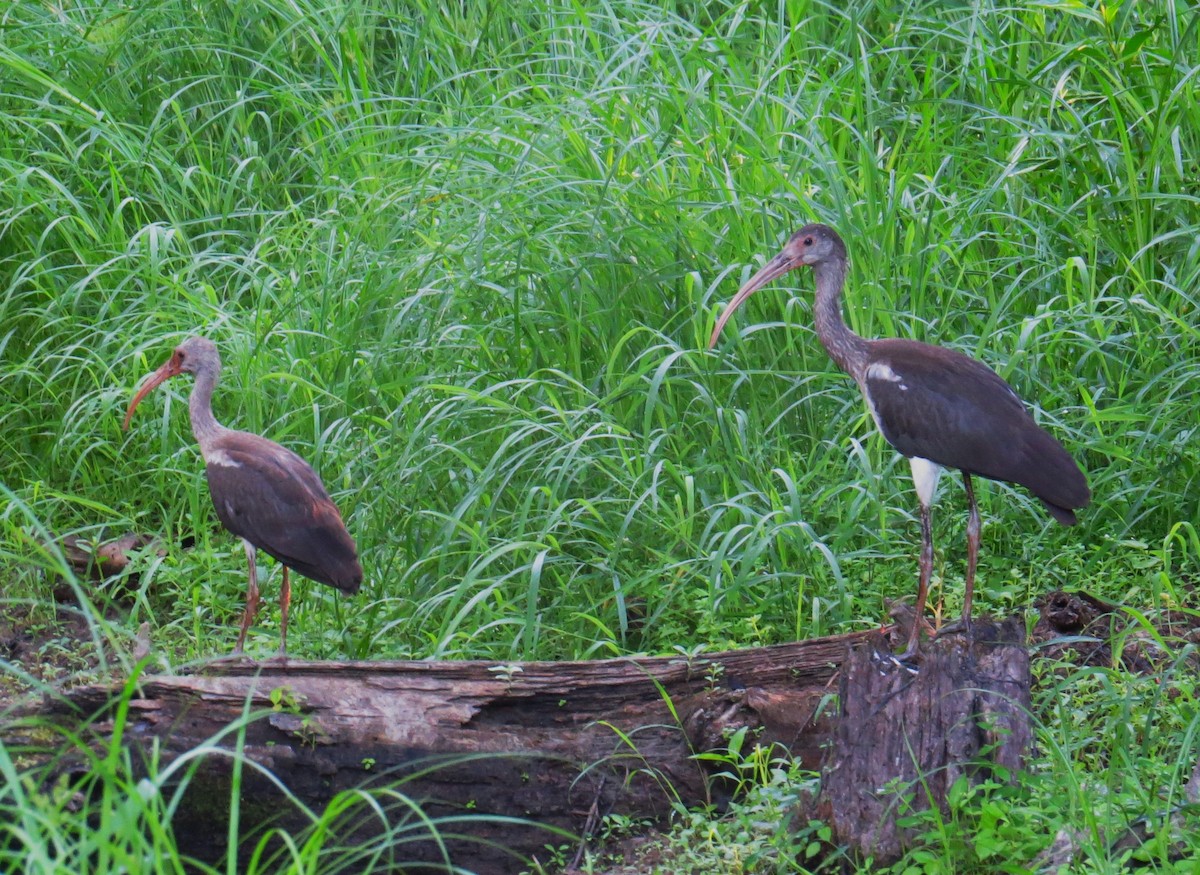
point(936, 406)
point(263, 493)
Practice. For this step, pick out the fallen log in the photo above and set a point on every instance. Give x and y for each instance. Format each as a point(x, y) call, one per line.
point(547, 743)
point(565, 743)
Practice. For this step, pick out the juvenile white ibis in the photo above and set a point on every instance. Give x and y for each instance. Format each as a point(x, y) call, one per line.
point(936, 406)
point(263, 493)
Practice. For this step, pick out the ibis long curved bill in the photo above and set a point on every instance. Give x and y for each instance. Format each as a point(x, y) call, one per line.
point(773, 269)
point(173, 367)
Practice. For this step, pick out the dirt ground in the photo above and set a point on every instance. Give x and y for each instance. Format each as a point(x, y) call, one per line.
point(44, 647)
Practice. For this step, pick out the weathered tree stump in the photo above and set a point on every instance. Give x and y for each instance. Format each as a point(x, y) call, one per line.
point(903, 736)
point(556, 744)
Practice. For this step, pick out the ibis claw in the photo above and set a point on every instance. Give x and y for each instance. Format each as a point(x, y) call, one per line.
point(961, 626)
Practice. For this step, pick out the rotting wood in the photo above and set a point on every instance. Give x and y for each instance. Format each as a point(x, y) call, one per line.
point(904, 736)
point(545, 742)
point(713, 695)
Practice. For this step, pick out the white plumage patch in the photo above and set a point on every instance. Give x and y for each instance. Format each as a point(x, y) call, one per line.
point(252, 561)
point(222, 458)
point(925, 477)
point(883, 371)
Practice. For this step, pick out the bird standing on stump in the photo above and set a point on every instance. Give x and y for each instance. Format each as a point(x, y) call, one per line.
point(263, 493)
point(936, 406)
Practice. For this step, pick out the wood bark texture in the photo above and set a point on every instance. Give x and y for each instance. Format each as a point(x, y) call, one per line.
point(553, 745)
point(904, 736)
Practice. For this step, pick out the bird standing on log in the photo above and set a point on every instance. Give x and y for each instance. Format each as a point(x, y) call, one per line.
point(263, 492)
point(936, 406)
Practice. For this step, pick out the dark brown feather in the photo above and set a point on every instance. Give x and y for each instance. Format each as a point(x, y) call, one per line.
point(265, 493)
point(948, 408)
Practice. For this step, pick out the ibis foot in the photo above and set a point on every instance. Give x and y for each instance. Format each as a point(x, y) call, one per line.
point(907, 627)
point(961, 626)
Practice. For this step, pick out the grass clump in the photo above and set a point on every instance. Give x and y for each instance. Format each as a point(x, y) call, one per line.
point(761, 833)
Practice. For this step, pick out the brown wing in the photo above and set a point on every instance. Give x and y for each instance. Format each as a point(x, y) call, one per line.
point(941, 405)
point(268, 495)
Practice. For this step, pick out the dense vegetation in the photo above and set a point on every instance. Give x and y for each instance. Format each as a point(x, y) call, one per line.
point(464, 259)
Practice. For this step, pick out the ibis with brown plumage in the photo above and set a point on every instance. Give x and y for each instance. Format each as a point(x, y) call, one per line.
point(263, 493)
point(936, 406)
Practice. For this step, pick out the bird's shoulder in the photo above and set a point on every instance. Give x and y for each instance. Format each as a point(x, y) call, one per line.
point(909, 366)
point(273, 466)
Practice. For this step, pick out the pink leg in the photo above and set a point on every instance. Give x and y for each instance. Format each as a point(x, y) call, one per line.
point(973, 529)
point(923, 585)
point(251, 595)
point(285, 602)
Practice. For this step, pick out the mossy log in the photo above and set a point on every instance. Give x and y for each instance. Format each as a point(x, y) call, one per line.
point(527, 755)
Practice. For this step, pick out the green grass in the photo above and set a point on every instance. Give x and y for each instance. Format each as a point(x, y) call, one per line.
point(464, 260)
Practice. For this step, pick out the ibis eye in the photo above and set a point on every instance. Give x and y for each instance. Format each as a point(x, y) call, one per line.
point(808, 241)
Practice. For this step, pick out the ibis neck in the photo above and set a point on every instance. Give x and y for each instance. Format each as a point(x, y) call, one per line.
point(845, 347)
point(204, 425)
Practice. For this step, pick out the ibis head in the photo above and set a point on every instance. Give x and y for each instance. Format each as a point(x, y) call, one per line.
point(812, 245)
point(196, 355)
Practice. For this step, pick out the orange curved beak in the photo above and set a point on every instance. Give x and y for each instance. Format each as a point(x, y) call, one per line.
point(773, 269)
point(169, 369)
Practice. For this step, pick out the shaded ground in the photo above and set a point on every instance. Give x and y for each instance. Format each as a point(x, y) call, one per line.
point(54, 644)
point(1083, 630)
point(44, 647)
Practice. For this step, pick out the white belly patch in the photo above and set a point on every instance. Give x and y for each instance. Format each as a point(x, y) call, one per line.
point(925, 477)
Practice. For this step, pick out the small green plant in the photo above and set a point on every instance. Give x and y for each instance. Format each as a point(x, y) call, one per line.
point(506, 673)
point(286, 699)
point(744, 763)
point(989, 826)
point(759, 833)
